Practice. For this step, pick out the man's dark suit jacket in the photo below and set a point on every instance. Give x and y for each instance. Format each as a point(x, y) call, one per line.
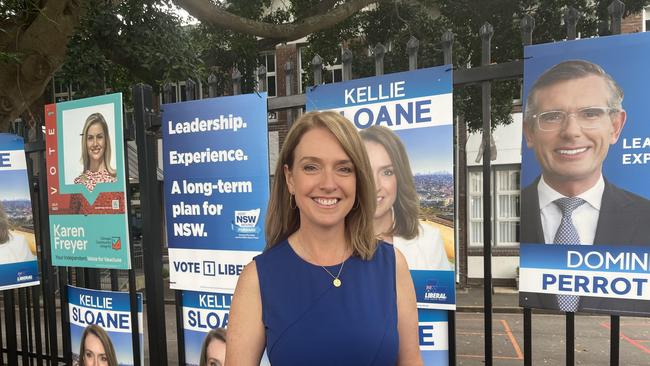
point(624, 219)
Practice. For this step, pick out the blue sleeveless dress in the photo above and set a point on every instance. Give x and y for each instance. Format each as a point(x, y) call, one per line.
point(308, 321)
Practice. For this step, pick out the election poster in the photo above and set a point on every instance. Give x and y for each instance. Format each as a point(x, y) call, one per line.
point(18, 254)
point(86, 183)
point(585, 160)
point(101, 327)
point(406, 122)
point(216, 188)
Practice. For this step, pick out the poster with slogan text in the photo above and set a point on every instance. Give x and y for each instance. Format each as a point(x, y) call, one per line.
point(87, 183)
point(585, 198)
point(18, 254)
point(101, 324)
point(411, 154)
point(216, 188)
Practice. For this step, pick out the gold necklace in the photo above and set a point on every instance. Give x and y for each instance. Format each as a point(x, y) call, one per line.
point(336, 280)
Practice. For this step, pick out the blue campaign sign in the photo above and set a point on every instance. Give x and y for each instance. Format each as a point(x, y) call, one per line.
point(586, 141)
point(106, 316)
point(215, 154)
point(18, 262)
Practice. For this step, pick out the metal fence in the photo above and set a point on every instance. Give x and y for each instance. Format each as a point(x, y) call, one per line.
point(35, 325)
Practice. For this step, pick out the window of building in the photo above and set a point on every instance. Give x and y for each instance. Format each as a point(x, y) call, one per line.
point(267, 59)
point(505, 206)
point(646, 19)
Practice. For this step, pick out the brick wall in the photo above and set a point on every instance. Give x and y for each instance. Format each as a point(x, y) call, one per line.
point(632, 23)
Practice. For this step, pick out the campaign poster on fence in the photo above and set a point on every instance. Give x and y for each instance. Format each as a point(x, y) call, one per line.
point(216, 188)
point(585, 174)
point(406, 122)
point(101, 327)
point(18, 263)
point(86, 183)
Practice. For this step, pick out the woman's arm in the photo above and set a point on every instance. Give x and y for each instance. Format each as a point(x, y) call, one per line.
point(407, 315)
point(245, 337)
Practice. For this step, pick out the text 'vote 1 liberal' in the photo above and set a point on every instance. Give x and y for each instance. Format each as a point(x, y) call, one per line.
point(107, 315)
point(411, 112)
point(215, 154)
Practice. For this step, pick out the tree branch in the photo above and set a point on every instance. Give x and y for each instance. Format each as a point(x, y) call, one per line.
point(215, 16)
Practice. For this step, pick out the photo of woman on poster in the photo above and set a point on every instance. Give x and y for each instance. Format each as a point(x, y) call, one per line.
point(14, 247)
point(396, 217)
point(213, 349)
point(96, 348)
point(95, 153)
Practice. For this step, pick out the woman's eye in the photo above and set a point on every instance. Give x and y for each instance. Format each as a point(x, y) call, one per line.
point(388, 172)
point(104, 358)
point(346, 170)
point(310, 168)
point(88, 354)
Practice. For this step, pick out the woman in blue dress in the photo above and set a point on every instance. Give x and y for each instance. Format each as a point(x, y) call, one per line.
point(325, 291)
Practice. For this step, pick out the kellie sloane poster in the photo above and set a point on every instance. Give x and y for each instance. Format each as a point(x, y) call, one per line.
point(216, 188)
point(18, 263)
point(86, 183)
point(405, 120)
point(585, 202)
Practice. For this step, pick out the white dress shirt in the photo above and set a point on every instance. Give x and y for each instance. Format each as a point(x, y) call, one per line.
point(585, 217)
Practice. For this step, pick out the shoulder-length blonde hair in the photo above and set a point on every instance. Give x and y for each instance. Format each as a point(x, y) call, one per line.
point(96, 118)
point(407, 204)
point(103, 337)
point(282, 220)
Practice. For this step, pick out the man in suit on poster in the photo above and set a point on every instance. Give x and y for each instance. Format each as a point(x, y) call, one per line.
point(573, 114)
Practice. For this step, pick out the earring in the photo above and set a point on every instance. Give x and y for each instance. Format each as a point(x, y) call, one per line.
point(292, 203)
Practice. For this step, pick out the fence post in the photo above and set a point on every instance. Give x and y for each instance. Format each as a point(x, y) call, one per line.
point(527, 27)
point(379, 51)
point(346, 58)
point(236, 81)
point(616, 10)
point(261, 76)
point(486, 33)
point(167, 93)
point(447, 46)
point(317, 69)
point(412, 49)
point(190, 89)
point(146, 123)
point(288, 87)
point(571, 17)
point(212, 85)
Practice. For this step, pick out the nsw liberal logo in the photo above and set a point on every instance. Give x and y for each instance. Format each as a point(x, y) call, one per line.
point(245, 224)
point(434, 292)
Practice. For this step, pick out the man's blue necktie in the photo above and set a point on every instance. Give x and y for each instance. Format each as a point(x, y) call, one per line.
point(567, 234)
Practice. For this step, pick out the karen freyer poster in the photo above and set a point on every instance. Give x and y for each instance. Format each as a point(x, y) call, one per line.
point(101, 327)
point(406, 122)
point(216, 189)
point(18, 263)
point(585, 201)
point(86, 183)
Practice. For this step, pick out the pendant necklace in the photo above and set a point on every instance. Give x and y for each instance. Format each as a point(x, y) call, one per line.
point(336, 280)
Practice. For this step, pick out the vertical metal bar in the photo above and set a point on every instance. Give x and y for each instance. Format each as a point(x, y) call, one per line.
point(236, 81)
point(115, 280)
point(412, 50)
point(528, 335)
point(486, 33)
point(571, 17)
point(190, 89)
point(317, 69)
point(151, 233)
point(451, 337)
point(616, 10)
point(24, 330)
point(10, 327)
point(261, 76)
point(447, 46)
point(346, 59)
point(180, 331)
point(2, 357)
point(212, 85)
point(570, 339)
point(65, 317)
point(36, 302)
point(615, 340)
point(167, 93)
point(379, 52)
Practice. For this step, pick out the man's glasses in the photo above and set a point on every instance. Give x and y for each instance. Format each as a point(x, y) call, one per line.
point(588, 118)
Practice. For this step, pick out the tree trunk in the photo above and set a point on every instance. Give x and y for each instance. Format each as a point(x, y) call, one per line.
point(41, 45)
